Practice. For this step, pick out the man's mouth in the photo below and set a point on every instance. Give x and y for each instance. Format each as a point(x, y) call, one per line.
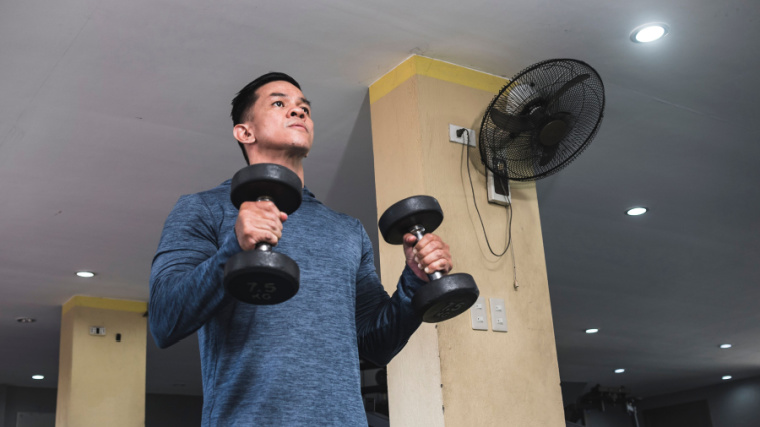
point(297, 125)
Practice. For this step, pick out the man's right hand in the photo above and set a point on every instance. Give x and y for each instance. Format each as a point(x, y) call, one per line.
point(258, 222)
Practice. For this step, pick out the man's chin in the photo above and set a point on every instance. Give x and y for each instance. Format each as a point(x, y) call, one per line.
point(298, 149)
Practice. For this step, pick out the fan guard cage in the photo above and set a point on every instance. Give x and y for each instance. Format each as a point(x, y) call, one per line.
point(517, 156)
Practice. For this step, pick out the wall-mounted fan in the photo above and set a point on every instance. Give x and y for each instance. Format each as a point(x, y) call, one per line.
point(542, 120)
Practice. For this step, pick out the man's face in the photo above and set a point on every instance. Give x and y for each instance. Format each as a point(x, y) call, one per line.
point(281, 118)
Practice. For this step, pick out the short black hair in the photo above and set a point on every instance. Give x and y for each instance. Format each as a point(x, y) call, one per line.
point(244, 100)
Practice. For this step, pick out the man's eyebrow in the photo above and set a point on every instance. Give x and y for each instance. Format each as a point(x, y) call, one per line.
point(304, 100)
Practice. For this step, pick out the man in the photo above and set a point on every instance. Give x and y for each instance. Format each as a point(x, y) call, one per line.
point(294, 363)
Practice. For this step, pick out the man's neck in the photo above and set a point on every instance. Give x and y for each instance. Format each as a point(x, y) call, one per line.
point(282, 158)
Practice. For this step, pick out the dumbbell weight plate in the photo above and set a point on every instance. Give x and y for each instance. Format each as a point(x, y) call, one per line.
point(258, 276)
point(267, 179)
point(405, 214)
point(447, 297)
point(261, 277)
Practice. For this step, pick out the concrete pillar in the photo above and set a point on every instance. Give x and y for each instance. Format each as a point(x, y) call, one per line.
point(450, 374)
point(101, 378)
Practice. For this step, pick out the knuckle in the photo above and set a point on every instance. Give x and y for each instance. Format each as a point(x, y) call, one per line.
point(250, 242)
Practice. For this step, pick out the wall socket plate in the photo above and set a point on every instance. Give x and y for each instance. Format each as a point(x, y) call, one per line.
point(97, 330)
point(460, 139)
point(478, 314)
point(498, 315)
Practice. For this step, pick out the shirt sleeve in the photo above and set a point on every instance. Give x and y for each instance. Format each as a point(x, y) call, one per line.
point(186, 277)
point(383, 323)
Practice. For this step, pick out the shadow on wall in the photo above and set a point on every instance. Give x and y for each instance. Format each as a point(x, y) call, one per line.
point(353, 191)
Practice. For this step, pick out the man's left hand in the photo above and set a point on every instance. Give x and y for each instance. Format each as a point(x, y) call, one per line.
point(427, 256)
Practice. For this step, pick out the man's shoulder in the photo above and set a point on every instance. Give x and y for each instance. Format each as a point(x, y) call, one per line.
point(212, 203)
point(327, 212)
point(214, 196)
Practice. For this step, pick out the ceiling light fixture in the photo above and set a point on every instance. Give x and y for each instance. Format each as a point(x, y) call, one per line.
point(25, 320)
point(85, 274)
point(619, 371)
point(639, 210)
point(727, 377)
point(592, 331)
point(38, 377)
point(649, 32)
point(725, 346)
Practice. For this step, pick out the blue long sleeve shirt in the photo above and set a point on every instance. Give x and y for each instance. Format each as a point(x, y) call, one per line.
point(290, 364)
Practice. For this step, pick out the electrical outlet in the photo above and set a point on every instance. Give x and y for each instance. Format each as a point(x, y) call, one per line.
point(478, 314)
point(498, 315)
point(460, 139)
point(97, 330)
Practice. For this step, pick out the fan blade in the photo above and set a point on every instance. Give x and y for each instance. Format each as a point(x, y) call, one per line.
point(567, 86)
point(510, 123)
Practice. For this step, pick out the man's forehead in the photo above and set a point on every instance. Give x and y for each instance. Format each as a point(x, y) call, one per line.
point(278, 86)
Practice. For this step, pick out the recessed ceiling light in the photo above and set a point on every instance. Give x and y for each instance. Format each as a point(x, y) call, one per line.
point(592, 331)
point(725, 346)
point(86, 274)
point(639, 210)
point(619, 371)
point(38, 377)
point(649, 32)
point(727, 377)
point(25, 320)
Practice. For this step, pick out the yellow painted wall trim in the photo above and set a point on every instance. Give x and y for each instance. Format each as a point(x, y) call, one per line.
point(441, 70)
point(105, 303)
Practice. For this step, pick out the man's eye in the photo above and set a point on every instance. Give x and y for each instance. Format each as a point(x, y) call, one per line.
point(278, 104)
point(305, 109)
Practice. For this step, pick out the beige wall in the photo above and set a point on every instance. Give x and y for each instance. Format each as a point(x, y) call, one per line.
point(450, 374)
point(101, 382)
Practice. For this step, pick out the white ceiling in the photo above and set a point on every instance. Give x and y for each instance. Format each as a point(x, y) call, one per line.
point(109, 110)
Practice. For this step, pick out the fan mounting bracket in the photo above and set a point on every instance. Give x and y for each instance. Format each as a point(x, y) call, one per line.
point(497, 193)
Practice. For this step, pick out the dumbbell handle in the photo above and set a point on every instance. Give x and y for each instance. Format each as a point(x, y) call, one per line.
point(418, 232)
point(263, 246)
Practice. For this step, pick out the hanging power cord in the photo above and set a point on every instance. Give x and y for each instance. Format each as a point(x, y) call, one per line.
point(508, 208)
point(514, 264)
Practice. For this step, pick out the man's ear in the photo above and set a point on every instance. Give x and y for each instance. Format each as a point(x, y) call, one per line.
point(243, 133)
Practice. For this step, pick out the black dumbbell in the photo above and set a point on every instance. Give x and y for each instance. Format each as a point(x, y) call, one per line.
point(446, 296)
point(261, 276)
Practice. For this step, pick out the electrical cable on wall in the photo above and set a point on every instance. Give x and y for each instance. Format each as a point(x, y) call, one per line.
point(505, 184)
point(508, 208)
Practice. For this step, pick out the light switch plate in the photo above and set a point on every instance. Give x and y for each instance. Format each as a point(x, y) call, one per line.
point(478, 313)
point(498, 315)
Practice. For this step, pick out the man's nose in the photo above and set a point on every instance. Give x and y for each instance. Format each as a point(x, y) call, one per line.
point(294, 113)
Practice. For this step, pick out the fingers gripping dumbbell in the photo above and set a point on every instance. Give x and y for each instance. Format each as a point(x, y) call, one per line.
point(446, 296)
point(261, 276)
